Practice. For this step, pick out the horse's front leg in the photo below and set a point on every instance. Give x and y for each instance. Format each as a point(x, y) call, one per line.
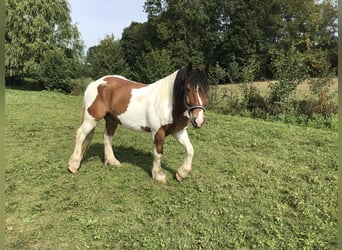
point(158, 143)
point(183, 138)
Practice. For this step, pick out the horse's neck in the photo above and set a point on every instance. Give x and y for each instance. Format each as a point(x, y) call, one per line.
point(163, 89)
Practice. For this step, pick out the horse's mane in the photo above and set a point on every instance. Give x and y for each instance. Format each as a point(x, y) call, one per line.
point(197, 77)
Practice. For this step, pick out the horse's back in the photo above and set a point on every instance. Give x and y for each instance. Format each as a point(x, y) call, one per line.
point(109, 93)
point(92, 89)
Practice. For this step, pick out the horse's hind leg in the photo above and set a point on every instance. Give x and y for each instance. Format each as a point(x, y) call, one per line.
point(110, 128)
point(83, 137)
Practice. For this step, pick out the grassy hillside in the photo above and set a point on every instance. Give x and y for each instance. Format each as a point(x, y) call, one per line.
point(254, 184)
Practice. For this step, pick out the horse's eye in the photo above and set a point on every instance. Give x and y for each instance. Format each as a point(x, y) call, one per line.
point(187, 89)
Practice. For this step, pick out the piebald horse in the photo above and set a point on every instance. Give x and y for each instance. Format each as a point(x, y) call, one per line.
point(163, 108)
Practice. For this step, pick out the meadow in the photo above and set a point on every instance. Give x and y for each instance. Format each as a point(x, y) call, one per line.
point(254, 185)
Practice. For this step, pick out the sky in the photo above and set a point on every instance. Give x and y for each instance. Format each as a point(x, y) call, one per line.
point(97, 18)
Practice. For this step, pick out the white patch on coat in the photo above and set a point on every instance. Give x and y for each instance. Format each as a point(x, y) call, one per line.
point(150, 106)
point(200, 115)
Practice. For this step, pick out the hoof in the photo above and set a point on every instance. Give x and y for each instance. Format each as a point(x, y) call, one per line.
point(72, 169)
point(179, 177)
point(115, 163)
point(159, 177)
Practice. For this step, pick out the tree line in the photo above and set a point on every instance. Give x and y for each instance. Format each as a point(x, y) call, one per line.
point(44, 49)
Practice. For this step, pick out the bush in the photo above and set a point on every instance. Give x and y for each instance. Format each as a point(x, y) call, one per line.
point(255, 103)
point(216, 76)
point(244, 71)
point(290, 71)
point(319, 110)
point(80, 85)
point(56, 71)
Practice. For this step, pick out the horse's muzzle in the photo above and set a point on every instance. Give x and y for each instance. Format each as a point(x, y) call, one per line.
point(197, 124)
point(197, 115)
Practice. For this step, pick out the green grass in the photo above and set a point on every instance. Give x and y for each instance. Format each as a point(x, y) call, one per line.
point(254, 184)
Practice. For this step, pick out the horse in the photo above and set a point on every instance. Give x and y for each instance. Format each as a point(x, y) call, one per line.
point(165, 107)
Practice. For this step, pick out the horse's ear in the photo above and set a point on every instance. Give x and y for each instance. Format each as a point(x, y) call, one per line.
point(189, 68)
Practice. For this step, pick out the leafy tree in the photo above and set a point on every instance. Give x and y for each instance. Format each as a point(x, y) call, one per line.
point(153, 66)
point(56, 71)
point(107, 58)
point(290, 70)
point(180, 26)
point(37, 29)
point(138, 39)
point(232, 32)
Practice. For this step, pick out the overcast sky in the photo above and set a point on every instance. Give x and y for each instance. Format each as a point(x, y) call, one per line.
point(96, 18)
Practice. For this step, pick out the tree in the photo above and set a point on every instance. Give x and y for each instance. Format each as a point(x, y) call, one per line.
point(107, 58)
point(180, 27)
point(34, 30)
point(56, 71)
point(138, 39)
point(153, 66)
point(231, 32)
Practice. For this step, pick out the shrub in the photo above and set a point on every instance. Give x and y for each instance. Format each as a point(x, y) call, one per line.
point(79, 85)
point(256, 103)
point(216, 75)
point(56, 71)
point(320, 86)
point(290, 71)
point(244, 71)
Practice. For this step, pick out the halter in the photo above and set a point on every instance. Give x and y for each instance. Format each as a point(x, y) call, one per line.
point(190, 108)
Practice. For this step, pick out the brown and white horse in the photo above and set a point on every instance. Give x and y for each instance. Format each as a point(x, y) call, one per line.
point(162, 108)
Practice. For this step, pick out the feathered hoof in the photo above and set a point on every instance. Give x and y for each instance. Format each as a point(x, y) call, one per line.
point(114, 163)
point(179, 177)
point(161, 179)
point(72, 169)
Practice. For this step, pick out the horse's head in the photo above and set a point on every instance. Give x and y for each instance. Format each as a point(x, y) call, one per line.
point(194, 88)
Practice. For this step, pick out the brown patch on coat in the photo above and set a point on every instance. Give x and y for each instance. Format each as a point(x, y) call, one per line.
point(113, 97)
point(179, 122)
point(159, 139)
point(111, 124)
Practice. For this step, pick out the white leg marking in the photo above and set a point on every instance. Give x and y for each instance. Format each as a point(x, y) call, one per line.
point(81, 144)
point(109, 154)
point(157, 172)
point(183, 138)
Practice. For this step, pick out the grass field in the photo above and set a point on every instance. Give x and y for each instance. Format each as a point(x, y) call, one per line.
point(254, 184)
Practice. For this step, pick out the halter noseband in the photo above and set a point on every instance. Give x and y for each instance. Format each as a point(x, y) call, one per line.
point(190, 108)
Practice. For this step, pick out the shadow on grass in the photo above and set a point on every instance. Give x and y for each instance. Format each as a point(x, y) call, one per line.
point(130, 155)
